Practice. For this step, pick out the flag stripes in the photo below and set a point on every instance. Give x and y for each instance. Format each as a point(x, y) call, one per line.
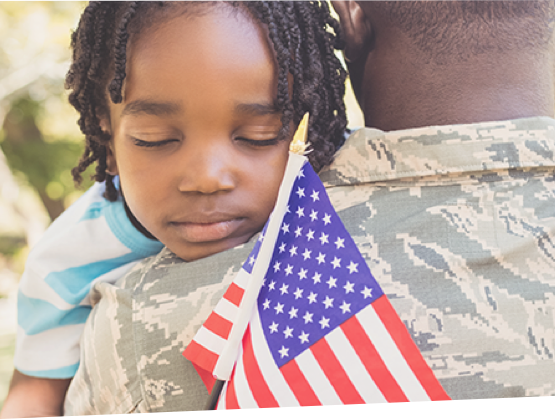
point(353, 365)
point(336, 375)
point(344, 367)
point(373, 363)
point(389, 318)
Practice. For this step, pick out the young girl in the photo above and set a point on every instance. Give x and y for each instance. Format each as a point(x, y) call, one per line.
point(191, 105)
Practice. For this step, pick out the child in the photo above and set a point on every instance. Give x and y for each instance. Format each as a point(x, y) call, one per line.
point(192, 106)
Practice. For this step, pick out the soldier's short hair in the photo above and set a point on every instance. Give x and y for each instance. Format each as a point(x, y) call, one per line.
point(455, 30)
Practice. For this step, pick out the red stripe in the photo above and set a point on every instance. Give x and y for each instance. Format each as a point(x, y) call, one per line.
point(230, 396)
point(218, 325)
point(372, 361)
point(299, 384)
point(332, 368)
point(409, 350)
point(203, 357)
point(234, 294)
point(259, 389)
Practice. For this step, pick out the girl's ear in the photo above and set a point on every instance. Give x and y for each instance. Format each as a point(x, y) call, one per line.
point(356, 28)
point(111, 164)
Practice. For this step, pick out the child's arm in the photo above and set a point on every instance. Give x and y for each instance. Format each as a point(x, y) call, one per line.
point(33, 397)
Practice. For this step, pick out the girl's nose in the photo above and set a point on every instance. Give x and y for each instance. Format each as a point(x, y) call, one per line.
point(207, 173)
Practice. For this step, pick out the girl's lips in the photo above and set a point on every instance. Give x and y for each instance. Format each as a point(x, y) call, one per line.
point(206, 232)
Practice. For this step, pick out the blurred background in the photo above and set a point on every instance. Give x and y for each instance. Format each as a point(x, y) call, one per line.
point(40, 142)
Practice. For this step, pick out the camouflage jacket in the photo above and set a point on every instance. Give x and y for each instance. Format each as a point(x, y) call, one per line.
point(455, 222)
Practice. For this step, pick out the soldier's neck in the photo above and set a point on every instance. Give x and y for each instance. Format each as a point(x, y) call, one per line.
point(485, 89)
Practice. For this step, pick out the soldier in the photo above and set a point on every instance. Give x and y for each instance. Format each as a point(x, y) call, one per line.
point(448, 194)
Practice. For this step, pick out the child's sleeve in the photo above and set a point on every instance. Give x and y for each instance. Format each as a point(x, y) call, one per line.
point(92, 241)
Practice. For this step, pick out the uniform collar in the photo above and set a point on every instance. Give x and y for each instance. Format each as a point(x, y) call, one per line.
point(371, 155)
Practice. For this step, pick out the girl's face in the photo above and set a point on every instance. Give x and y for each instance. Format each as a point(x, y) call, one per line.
point(194, 137)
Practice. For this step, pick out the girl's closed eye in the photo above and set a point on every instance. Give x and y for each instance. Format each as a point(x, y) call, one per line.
point(258, 143)
point(150, 144)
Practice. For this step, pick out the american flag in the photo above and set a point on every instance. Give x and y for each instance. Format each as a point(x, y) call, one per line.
point(319, 329)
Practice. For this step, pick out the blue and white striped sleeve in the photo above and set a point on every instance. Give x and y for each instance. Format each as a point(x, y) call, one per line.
point(92, 241)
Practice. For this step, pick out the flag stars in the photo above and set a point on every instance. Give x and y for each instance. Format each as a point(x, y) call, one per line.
point(276, 266)
point(321, 258)
point(345, 307)
point(312, 297)
point(288, 332)
point(328, 302)
point(283, 352)
point(279, 308)
point(302, 273)
point(273, 327)
point(324, 322)
point(306, 254)
point(285, 228)
point(300, 192)
point(284, 289)
point(353, 267)
point(272, 285)
point(293, 251)
point(251, 260)
point(298, 231)
point(300, 212)
point(313, 215)
point(340, 243)
point(349, 287)
point(293, 313)
point(288, 270)
point(367, 292)
point(301, 174)
point(298, 293)
point(327, 219)
point(317, 278)
point(308, 317)
point(282, 247)
point(315, 195)
point(336, 262)
point(303, 337)
point(332, 282)
point(310, 235)
point(324, 238)
point(266, 304)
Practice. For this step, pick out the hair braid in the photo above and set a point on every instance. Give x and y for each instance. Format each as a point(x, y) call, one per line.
point(120, 53)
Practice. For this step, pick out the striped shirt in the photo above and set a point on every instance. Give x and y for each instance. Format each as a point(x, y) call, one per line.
point(91, 241)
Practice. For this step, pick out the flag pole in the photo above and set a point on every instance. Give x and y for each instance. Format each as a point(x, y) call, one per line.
point(214, 395)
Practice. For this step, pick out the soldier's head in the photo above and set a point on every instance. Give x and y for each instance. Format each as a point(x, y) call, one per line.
point(431, 48)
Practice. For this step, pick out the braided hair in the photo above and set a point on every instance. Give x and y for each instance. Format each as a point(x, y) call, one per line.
point(304, 36)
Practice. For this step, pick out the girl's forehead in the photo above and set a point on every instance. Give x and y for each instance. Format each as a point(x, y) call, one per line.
point(201, 32)
point(209, 61)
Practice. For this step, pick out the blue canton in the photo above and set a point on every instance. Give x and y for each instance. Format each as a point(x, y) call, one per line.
point(317, 279)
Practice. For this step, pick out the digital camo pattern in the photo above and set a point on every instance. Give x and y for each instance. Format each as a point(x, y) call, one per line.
point(457, 224)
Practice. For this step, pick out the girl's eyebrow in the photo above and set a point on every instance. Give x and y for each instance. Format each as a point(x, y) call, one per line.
point(257, 109)
point(151, 108)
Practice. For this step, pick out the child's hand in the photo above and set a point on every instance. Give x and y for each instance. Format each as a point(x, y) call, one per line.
point(34, 397)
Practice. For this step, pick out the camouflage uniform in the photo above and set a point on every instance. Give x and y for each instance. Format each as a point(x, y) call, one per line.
point(455, 222)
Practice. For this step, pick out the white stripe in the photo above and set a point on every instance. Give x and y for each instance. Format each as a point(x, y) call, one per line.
point(226, 309)
point(354, 368)
point(391, 355)
point(245, 399)
point(43, 351)
point(209, 340)
point(242, 279)
point(277, 384)
point(317, 379)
